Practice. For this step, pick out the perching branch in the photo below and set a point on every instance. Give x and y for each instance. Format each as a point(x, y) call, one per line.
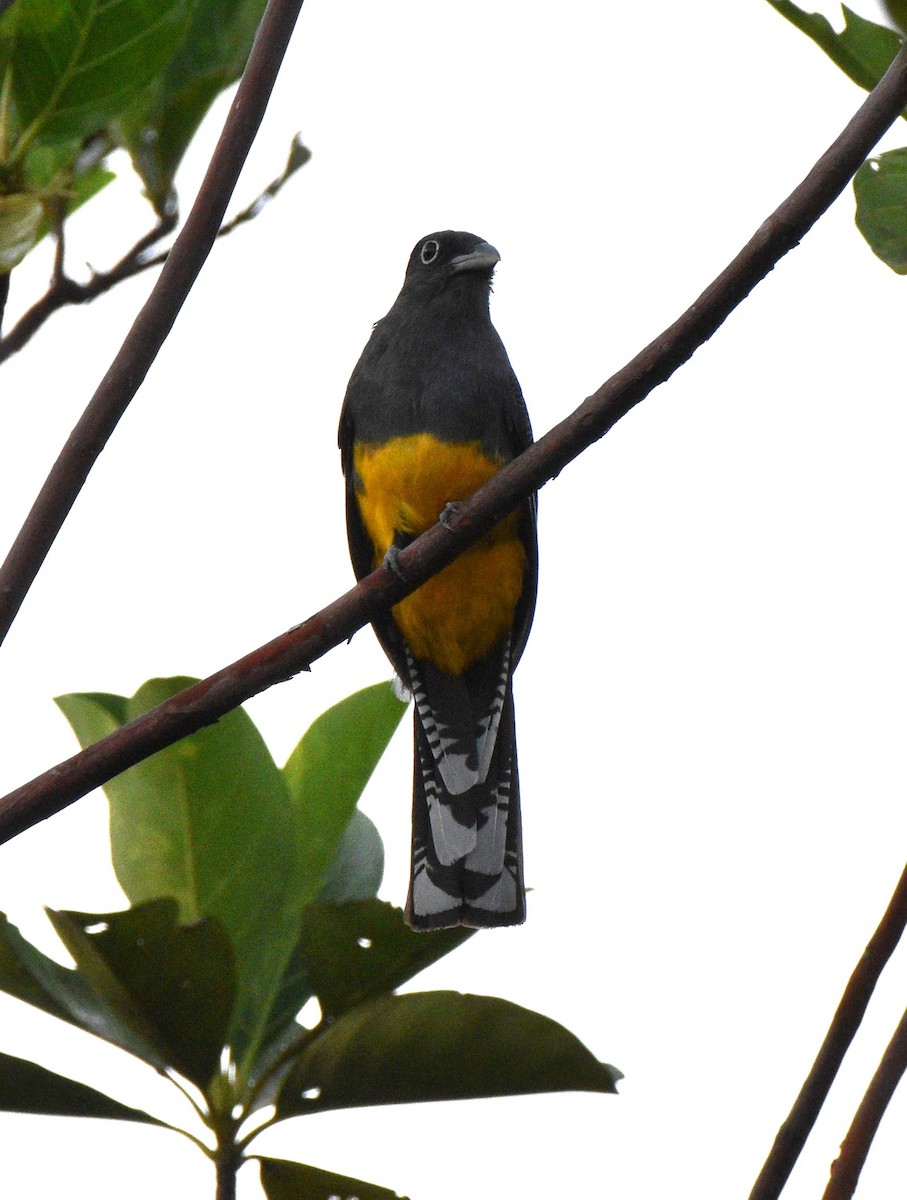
point(845, 1170)
point(63, 290)
point(294, 651)
point(792, 1135)
point(157, 316)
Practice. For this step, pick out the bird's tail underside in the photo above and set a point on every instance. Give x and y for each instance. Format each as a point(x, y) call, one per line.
point(467, 865)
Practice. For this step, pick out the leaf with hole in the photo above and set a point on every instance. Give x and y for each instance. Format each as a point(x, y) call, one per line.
point(173, 984)
point(30, 975)
point(359, 950)
point(880, 188)
point(437, 1046)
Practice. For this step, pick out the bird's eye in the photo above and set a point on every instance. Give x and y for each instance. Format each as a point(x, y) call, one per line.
point(430, 251)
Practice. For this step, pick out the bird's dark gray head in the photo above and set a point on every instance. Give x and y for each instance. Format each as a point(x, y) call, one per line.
point(442, 259)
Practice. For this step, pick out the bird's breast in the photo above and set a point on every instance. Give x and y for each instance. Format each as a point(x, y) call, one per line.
point(402, 487)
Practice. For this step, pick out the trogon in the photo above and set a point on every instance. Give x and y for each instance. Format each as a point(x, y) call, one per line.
point(432, 411)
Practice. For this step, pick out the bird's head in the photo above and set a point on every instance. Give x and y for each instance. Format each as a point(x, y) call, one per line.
point(446, 259)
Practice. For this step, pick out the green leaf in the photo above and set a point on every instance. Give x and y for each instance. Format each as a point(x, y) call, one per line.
point(174, 985)
point(363, 949)
point(880, 188)
point(208, 822)
point(863, 50)
point(158, 128)
point(21, 216)
point(327, 773)
point(437, 1046)
point(26, 1087)
point(357, 868)
point(348, 953)
point(74, 66)
point(283, 1180)
point(31, 976)
point(213, 823)
point(897, 12)
point(123, 1022)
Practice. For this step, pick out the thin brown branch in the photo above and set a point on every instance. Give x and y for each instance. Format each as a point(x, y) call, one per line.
point(63, 290)
point(157, 316)
point(792, 1135)
point(294, 651)
point(845, 1170)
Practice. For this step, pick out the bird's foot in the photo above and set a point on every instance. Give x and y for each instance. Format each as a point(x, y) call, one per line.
point(450, 511)
point(392, 563)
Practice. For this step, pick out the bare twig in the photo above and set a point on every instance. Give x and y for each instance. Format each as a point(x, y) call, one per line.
point(792, 1135)
point(294, 651)
point(845, 1170)
point(64, 290)
point(157, 316)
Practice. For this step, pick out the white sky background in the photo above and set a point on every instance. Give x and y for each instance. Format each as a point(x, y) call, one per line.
point(711, 708)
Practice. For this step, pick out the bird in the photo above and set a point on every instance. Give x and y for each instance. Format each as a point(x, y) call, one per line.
point(432, 410)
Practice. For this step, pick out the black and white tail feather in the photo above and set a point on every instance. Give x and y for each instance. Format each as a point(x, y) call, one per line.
point(467, 853)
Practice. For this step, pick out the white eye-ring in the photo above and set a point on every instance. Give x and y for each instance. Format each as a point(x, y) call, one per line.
point(430, 251)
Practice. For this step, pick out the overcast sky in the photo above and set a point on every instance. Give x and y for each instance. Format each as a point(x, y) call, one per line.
point(711, 708)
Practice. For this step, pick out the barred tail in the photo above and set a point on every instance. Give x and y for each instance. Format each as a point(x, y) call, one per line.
point(478, 882)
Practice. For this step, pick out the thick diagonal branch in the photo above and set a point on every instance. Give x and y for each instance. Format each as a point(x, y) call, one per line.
point(157, 316)
point(294, 651)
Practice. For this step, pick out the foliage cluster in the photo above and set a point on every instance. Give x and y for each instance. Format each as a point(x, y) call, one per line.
point(864, 51)
point(252, 892)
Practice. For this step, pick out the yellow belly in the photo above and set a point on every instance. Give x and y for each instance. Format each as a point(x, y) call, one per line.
point(402, 487)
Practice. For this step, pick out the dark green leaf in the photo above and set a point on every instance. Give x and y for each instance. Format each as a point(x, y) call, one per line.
point(158, 128)
point(363, 949)
point(26, 1087)
point(863, 50)
point(284, 1180)
point(21, 968)
point(438, 1046)
point(354, 873)
point(880, 187)
point(40, 981)
point(207, 821)
point(897, 12)
point(73, 67)
point(357, 867)
point(175, 984)
point(328, 771)
point(121, 1020)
